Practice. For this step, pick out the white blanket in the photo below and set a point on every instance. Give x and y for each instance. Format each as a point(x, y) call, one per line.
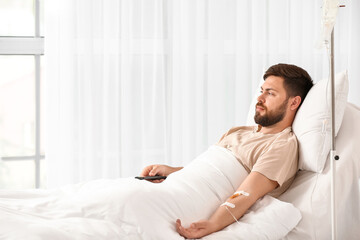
point(132, 209)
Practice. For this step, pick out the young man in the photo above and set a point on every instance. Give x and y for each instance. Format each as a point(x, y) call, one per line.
point(269, 151)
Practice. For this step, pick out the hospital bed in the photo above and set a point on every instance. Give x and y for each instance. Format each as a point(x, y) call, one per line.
point(310, 192)
point(131, 209)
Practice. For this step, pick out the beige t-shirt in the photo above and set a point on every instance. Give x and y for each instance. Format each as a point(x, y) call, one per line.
point(273, 155)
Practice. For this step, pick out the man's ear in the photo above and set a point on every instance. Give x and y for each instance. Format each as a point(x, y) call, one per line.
point(295, 102)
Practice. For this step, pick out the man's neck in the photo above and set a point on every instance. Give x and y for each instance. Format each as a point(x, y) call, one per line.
point(272, 129)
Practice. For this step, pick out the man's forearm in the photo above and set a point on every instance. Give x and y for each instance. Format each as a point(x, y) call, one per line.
point(251, 189)
point(255, 186)
point(222, 217)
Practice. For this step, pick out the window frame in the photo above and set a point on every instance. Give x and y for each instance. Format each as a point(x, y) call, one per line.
point(34, 46)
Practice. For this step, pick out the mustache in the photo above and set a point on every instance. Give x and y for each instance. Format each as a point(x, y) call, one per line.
point(260, 105)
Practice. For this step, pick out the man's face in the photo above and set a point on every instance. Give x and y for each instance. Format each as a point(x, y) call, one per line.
point(272, 103)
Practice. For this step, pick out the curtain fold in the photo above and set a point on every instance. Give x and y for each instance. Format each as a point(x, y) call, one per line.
point(137, 82)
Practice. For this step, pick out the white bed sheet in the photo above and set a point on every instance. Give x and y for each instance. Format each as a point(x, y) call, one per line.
point(310, 192)
point(133, 209)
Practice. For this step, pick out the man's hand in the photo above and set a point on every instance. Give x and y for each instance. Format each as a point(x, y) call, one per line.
point(196, 230)
point(162, 170)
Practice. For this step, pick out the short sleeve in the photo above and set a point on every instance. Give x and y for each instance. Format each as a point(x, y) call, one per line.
point(230, 131)
point(280, 161)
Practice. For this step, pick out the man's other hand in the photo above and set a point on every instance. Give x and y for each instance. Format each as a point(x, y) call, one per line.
point(196, 230)
point(157, 169)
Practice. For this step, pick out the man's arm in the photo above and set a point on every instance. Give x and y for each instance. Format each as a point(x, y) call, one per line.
point(256, 184)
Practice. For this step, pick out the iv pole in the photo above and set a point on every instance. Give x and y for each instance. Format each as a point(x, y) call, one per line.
point(333, 156)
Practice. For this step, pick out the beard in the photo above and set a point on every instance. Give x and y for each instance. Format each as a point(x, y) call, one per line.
point(272, 117)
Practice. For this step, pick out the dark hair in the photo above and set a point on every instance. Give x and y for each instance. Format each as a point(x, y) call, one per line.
point(297, 82)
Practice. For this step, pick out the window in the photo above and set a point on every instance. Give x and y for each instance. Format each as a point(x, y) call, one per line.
point(21, 121)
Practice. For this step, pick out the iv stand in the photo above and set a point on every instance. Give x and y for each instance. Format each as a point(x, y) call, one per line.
point(333, 155)
point(328, 6)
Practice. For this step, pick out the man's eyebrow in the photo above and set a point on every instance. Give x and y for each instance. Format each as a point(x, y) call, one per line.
point(269, 89)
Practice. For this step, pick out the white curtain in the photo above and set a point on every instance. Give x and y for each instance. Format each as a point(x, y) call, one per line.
point(135, 82)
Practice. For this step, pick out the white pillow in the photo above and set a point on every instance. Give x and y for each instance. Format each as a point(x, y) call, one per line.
point(312, 124)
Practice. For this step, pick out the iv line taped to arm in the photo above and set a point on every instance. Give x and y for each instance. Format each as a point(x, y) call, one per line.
point(226, 205)
point(231, 205)
point(238, 193)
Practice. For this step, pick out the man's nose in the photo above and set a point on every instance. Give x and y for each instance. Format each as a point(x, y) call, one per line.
point(261, 98)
